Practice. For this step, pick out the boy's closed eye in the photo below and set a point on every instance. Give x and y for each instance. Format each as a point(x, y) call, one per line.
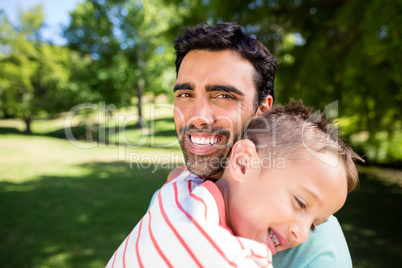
point(303, 205)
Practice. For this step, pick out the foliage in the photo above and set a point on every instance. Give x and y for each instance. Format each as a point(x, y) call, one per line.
point(35, 76)
point(351, 52)
point(126, 40)
point(329, 50)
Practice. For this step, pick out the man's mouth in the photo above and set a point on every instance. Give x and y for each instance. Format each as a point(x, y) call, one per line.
point(204, 140)
point(205, 143)
point(205, 150)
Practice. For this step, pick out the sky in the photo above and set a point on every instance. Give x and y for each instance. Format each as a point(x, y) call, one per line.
point(56, 14)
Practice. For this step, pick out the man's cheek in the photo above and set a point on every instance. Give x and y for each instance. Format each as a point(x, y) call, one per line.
point(218, 162)
point(179, 118)
point(214, 162)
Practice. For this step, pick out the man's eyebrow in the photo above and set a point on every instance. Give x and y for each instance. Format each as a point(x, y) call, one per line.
point(188, 86)
point(229, 89)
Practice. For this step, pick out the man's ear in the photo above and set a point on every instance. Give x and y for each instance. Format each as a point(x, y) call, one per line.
point(265, 105)
point(241, 159)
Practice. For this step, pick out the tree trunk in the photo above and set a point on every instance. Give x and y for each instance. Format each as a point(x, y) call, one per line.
point(28, 126)
point(140, 84)
point(88, 133)
point(140, 90)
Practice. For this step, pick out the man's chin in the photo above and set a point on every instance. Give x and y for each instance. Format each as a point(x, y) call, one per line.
point(205, 173)
point(206, 167)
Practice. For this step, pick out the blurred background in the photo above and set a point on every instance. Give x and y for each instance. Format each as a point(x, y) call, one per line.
point(86, 115)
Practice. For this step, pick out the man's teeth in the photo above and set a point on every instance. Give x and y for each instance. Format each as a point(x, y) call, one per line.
point(274, 238)
point(203, 141)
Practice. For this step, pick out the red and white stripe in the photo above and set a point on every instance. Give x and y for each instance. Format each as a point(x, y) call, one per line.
point(186, 227)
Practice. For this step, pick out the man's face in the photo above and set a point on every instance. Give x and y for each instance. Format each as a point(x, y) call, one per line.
point(214, 97)
point(279, 206)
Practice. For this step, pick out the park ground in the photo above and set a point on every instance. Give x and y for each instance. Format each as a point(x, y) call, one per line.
point(63, 205)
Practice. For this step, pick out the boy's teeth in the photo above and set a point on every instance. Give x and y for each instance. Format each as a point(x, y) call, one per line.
point(203, 141)
point(274, 238)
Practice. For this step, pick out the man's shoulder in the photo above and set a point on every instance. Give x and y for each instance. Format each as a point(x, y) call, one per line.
point(184, 175)
point(325, 247)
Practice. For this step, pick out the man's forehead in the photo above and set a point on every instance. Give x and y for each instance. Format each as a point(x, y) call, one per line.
point(222, 58)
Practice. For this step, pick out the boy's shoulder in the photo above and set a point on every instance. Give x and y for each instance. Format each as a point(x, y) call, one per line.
point(184, 179)
point(196, 209)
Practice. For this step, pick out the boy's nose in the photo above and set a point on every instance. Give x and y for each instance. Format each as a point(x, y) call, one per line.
point(299, 232)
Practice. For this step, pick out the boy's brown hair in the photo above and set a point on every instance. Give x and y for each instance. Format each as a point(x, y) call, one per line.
point(287, 130)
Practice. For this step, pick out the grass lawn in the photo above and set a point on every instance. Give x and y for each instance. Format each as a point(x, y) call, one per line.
point(65, 206)
point(371, 219)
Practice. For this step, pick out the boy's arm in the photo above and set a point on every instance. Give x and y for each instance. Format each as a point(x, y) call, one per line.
point(172, 174)
point(326, 247)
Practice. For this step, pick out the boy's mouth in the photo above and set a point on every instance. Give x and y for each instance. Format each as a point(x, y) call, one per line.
point(274, 238)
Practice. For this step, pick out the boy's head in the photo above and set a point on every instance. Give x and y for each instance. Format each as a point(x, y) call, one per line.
point(288, 175)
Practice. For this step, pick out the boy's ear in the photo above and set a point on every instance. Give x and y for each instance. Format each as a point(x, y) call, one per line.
point(241, 158)
point(265, 105)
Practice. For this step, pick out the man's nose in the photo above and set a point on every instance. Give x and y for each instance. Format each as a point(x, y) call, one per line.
point(299, 232)
point(202, 113)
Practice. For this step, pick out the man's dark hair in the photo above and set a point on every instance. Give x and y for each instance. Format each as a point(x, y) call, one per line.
point(229, 35)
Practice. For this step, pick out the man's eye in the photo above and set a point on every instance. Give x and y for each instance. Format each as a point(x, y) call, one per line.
point(184, 95)
point(224, 96)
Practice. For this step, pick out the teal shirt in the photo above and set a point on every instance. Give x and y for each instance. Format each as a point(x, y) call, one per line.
point(325, 247)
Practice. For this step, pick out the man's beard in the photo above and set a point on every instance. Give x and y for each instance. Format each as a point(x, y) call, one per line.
point(206, 166)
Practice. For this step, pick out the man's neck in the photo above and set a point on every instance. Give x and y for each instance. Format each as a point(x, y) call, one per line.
point(214, 177)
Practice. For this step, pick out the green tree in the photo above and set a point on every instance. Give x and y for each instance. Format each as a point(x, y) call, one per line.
point(34, 75)
point(126, 39)
point(328, 50)
point(348, 51)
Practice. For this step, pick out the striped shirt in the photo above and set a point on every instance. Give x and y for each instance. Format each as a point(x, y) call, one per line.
point(186, 227)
